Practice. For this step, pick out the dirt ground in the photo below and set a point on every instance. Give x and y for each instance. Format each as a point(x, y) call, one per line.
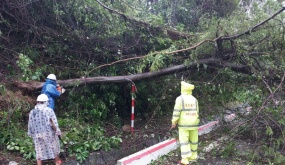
point(5, 158)
point(146, 133)
point(159, 129)
point(204, 158)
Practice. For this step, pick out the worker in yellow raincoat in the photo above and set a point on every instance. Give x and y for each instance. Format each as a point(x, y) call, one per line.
point(186, 115)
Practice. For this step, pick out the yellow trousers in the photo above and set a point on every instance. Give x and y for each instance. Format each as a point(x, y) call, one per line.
point(188, 140)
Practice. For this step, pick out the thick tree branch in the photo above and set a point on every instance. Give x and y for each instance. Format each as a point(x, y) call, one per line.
point(252, 29)
point(154, 53)
point(33, 85)
point(219, 38)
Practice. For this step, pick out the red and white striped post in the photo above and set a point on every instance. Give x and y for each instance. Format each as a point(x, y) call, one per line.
point(133, 108)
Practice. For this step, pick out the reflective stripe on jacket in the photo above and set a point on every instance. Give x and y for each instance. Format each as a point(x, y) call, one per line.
point(186, 112)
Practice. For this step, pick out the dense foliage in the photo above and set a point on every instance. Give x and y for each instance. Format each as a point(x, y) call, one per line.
point(231, 57)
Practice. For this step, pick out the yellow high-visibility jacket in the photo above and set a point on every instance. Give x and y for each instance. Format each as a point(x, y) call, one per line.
point(186, 109)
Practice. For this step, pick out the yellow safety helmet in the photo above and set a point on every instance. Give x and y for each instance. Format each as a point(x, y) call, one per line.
point(186, 88)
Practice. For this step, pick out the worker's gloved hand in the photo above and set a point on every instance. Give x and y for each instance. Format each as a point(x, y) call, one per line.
point(60, 89)
point(58, 132)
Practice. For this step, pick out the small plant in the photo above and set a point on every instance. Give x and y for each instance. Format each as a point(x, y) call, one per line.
point(24, 62)
point(81, 153)
point(83, 140)
point(2, 89)
point(229, 150)
point(25, 147)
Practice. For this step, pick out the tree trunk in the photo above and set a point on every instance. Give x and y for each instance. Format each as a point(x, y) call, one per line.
point(173, 19)
point(34, 85)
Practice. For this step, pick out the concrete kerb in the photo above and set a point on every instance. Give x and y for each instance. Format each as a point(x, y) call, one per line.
point(152, 153)
point(147, 155)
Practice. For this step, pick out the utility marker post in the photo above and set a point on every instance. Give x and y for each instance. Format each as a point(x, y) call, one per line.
point(133, 108)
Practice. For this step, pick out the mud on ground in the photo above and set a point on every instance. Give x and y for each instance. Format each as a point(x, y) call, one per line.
point(153, 131)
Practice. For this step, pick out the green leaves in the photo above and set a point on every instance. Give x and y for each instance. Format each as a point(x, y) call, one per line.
point(23, 146)
point(25, 64)
point(2, 89)
point(269, 131)
point(83, 140)
point(158, 62)
point(229, 150)
point(82, 155)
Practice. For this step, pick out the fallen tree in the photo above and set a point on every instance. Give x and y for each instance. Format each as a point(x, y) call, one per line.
point(34, 85)
point(215, 62)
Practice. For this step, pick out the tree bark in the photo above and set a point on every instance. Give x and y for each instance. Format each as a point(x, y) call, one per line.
point(34, 85)
point(173, 18)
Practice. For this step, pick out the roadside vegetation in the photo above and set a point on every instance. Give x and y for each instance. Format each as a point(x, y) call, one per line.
point(231, 50)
